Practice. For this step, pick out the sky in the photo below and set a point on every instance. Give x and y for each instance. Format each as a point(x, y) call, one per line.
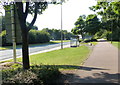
point(71, 10)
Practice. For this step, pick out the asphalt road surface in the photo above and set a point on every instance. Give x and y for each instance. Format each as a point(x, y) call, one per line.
point(8, 54)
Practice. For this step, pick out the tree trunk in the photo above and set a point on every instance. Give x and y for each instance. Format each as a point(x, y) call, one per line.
point(25, 50)
point(82, 36)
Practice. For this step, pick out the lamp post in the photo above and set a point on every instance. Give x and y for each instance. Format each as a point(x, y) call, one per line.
point(61, 28)
point(13, 31)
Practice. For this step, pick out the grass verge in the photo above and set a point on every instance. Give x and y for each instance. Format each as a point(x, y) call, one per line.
point(65, 57)
point(116, 44)
point(94, 43)
point(59, 41)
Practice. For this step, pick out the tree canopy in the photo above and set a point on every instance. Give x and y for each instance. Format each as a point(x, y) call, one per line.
point(110, 12)
point(89, 25)
point(92, 24)
point(79, 26)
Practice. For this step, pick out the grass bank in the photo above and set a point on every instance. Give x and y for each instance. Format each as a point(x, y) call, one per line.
point(93, 43)
point(59, 41)
point(67, 56)
point(116, 44)
point(64, 57)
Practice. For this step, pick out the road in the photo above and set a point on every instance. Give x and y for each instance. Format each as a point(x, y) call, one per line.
point(8, 54)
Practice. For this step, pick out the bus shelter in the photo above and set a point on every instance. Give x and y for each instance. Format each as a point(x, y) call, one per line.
point(74, 41)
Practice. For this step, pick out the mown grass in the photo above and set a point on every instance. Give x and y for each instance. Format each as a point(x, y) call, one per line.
point(94, 43)
point(3, 48)
point(116, 44)
point(67, 56)
point(59, 41)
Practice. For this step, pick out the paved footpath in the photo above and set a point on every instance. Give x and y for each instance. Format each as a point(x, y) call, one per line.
point(100, 67)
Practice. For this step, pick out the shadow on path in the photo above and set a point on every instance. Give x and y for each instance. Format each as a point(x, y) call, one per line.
point(76, 67)
point(102, 78)
point(97, 78)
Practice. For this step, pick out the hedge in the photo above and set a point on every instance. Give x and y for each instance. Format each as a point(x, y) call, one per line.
point(36, 36)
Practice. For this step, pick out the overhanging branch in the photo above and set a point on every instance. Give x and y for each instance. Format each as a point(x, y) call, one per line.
point(35, 16)
point(26, 10)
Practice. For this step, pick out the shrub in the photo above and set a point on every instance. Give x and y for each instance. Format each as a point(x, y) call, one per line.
point(3, 37)
point(101, 34)
point(91, 40)
point(38, 37)
point(86, 41)
point(37, 74)
point(114, 35)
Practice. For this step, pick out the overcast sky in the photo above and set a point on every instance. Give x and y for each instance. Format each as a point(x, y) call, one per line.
point(72, 9)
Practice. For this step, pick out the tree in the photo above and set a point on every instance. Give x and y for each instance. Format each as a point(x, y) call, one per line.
point(89, 24)
point(110, 12)
point(56, 34)
point(32, 8)
point(2, 25)
point(92, 24)
point(79, 26)
point(116, 8)
point(33, 27)
point(23, 9)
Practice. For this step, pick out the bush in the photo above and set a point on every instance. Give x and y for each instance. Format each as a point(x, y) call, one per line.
point(101, 34)
point(93, 40)
point(3, 38)
point(37, 74)
point(114, 35)
point(86, 41)
point(46, 73)
point(38, 37)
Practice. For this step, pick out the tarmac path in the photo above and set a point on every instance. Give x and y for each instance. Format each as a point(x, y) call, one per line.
point(100, 67)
